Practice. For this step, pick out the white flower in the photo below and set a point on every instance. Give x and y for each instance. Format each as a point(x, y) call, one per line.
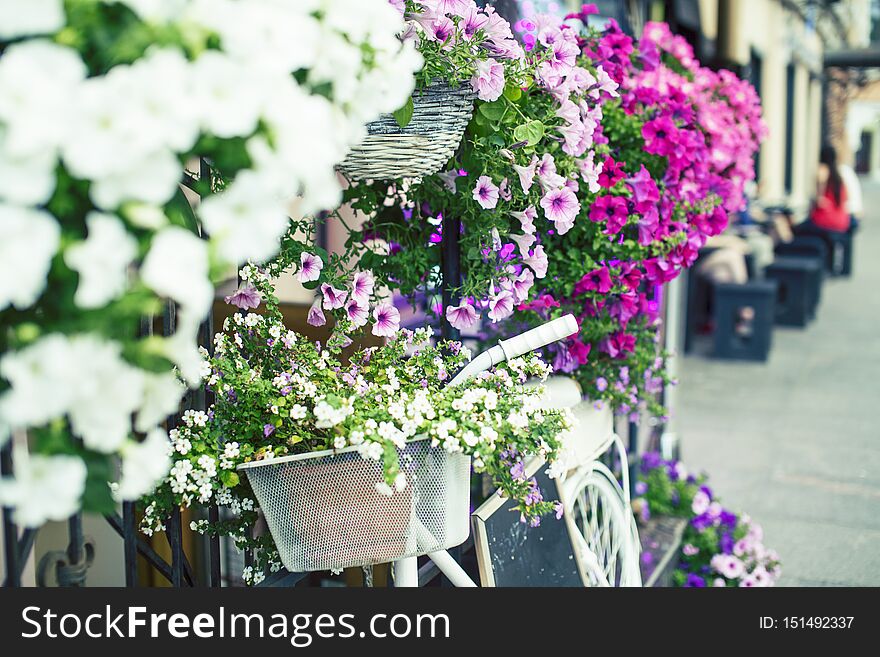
point(143, 465)
point(156, 10)
point(28, 240)
point(227, 94)
point(26, 179)
point(101, 261)
point(19, 18)
point(161, 397)
point(298, 412)
point(176, 266)
point(246, 220)
point(150, 179)
point(44, 488)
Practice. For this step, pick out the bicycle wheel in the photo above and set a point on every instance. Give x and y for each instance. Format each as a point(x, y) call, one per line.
point(602, 528)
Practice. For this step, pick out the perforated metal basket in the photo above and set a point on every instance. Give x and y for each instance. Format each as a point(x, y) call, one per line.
point(423, 146)
point(324, 511)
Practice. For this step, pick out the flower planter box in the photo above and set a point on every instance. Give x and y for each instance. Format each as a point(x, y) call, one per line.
point(324, 511)
point(423, 146)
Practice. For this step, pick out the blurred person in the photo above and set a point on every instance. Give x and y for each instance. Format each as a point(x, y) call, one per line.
point(854, 205)
point(829, 212)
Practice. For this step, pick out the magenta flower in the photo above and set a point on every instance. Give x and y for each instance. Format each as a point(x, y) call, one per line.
point(486, 193)
point(526, 219)
point(488, 80)
point(598, 280)
point(660, 135)
point(461, 317)
point(362, 286)
point(644, 189)
point(524, 242)
point(561, 207)
point(309, 268)
point(500, 304)
point(387, 320)
point(527, 174)
point(537, 261)
point(357, 312)
point(611, 209)
point(605, 83)
point(245, 297)
point(316, 315)
point(333, 297)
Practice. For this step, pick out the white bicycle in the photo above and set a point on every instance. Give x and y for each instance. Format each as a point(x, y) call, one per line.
point(597, 511)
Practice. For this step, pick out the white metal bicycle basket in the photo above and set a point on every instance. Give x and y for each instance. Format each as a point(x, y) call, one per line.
point(324, 511)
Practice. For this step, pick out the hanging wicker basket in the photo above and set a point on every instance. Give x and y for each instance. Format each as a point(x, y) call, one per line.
point(324, 511)
point(440, 116)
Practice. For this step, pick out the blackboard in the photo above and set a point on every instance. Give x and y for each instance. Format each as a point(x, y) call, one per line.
point(510, 553)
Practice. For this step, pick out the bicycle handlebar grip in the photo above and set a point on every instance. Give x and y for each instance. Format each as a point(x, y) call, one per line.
point(536, 338)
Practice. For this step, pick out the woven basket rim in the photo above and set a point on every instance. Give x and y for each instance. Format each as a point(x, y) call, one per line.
point(324, 453)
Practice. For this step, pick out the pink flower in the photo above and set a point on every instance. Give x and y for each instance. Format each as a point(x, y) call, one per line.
point(310, 267)
point(486, 193)
point(441, 29)
point(246, 296)
point(488, 80)
point(472, 20)
point(561, 207)
point(461, 317)
point(524, 242)
point(728, 565)
point(504, 190)
point(690, 550)
point(605, 82)
point(387, 320)
point(362, 286)
point(546, 172)
point(700, 503)
point(316, 315)
point(357, 312)
point(526, 219)
point(500, 304)
point(590, 171)
point(333, 298)
point(598, 280)
point(526, 174)
point(537, 261)
point(522, 285)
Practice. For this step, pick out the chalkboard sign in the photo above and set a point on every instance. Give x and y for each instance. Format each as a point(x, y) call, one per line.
point(510, 553)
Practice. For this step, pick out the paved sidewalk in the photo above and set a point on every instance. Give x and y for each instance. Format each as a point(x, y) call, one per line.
point(795, 442)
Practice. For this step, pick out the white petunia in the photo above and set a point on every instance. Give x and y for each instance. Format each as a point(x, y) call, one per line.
point(176, 266)
point(28, 241)
point(228, 95)
point(44, 488)
point(246, 220)
point(144, 465)
point(101, 261)
point(152, 179)
point(26, 179)
point(161, 397)
point(19, 18)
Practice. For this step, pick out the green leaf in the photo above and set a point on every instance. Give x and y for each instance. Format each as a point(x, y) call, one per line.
point(404, 115)
point(494, 110)
point(180, 212)
point(229, 478)
point(512, 92)
point(530, 132)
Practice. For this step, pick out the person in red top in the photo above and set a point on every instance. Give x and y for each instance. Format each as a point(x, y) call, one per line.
point(830, 210)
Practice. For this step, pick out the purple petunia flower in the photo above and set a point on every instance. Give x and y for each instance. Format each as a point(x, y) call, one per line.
point(461, 317)
point(316, 315)
point(245, 297)
point(333, 297)
point(387, 320)
point(268, 430)
point(310, 267)
point(485, 193)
